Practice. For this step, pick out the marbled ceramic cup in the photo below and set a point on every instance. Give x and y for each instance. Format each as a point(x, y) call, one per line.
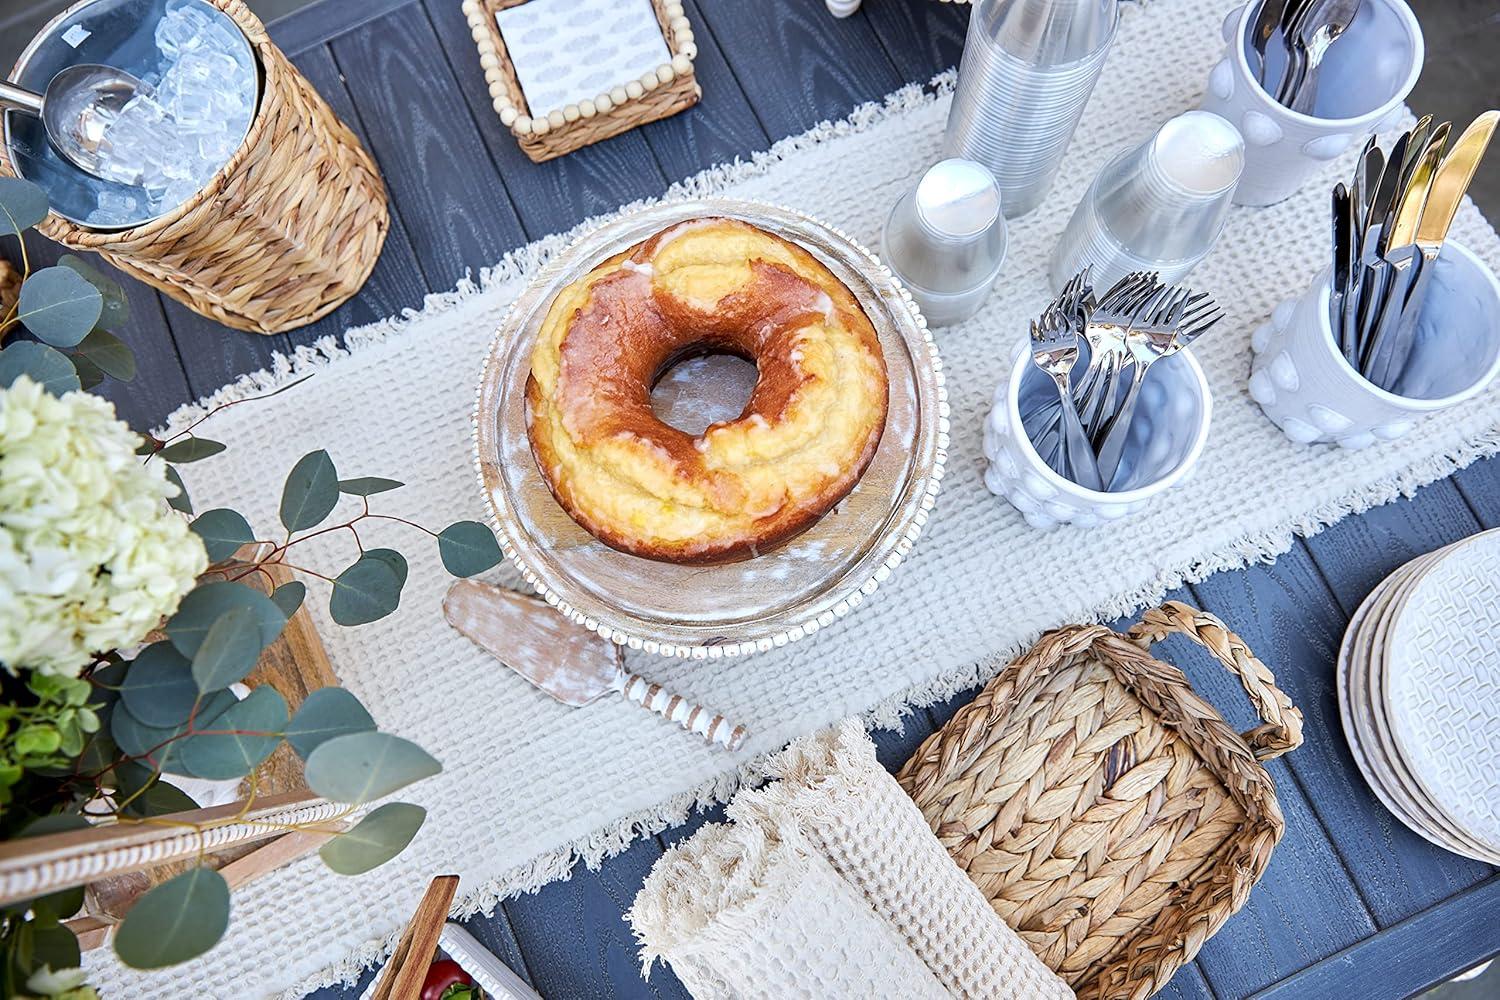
point(1165, 441)
point(1308, 389)
point(1363, 80)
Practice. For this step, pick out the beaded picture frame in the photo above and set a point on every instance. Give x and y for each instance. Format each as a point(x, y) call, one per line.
point(545, 133)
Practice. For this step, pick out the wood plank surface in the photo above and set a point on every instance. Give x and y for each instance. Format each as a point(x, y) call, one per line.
point(456, 210)
point(920, 39)
point(799, 66)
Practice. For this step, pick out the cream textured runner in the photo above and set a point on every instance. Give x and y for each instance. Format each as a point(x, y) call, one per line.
point(828, 883)
point(529, 785)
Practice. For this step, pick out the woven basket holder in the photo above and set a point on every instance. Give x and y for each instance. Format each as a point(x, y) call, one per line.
point(1108, 813)
point(286, 232)
point(541, 138)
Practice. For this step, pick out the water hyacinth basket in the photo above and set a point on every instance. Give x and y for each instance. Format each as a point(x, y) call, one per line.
point(283, 234)
point(1107, 812)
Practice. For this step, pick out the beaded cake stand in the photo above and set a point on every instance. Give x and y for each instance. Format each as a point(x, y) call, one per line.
point(778, 596)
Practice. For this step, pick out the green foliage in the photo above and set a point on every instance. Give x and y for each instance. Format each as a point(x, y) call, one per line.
point(229, 649)
point(288, 597)
point(22, 205)
point(44, 722)
point(48, 368)
point(368, 486)
point(159, 690)
point(362, 767)
point(180, 919)
point(200, 609)
point(367, 591)
point(181, 502)
point(59, 306)
point(236, 741)
point(116, 305)
point(190, 449)
point(310, 493)
point(223, 531)
point(326, 713)
point(468, 547)
point(374, 840)
point(140, 792)
point(106, 352)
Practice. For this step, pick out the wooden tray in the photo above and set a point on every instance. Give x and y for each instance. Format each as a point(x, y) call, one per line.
point(1107, 812)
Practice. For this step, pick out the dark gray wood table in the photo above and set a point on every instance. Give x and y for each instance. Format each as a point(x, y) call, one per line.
point(1353, 904)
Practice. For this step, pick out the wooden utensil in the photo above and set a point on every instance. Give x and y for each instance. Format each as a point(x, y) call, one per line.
point(571, 664)
point(403, 975)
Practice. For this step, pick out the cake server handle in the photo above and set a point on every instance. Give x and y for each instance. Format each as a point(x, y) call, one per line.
point(712, 726)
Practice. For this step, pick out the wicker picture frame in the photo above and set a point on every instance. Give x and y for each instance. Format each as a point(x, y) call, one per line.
point(545, 133)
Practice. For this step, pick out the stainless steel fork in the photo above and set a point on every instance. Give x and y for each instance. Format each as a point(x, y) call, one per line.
point(1054, 349)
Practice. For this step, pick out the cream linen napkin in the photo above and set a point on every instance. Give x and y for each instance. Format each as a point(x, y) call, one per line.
point(828, 884)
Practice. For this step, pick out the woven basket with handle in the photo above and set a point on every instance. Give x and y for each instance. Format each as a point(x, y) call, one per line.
point(287, 231)
point(1108, 813)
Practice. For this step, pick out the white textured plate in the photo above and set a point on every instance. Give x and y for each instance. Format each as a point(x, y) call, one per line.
point(1366, 729)
point(740, 607)
point(1442, 685)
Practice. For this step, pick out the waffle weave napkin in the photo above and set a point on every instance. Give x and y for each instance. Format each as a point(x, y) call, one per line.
point(828, 883)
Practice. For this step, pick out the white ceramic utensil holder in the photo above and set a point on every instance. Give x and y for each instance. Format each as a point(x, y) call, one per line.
point(1166, 439)
point(1308, 389)
point(1363, 81)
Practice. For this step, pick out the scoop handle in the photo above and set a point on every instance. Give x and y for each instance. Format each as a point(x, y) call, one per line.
point(12, 96)
point(712, 726)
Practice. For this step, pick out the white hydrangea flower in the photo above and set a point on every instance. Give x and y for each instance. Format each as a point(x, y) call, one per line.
point(91, 556)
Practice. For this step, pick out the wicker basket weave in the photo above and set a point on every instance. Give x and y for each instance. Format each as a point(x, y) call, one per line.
point(287, 231)
point(1108, 813)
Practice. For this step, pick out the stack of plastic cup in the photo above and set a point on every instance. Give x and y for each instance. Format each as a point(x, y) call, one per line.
point(1159, 207)
point(945, 239)
point(1028, 69)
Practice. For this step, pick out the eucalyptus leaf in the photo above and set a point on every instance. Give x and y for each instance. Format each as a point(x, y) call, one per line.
point(324, 714)
point(108, 353)
point(159, 689)
point(22, 205)
point(374, 840)
point(89, 375)
point(51, 944)
point(229, 649)
point(365, 592)
point(191, 449)
point(395, 560)
point(180, 919)
point(311, 491)
point(48, 368)
point(208, 601)
point(368, 486)
point(288, 597)
point(116, 305)
point(468, 547)
point(143, 793)
point(55, 823)
point(181, 502)
point(223, 531)
point(236, 741)
point(59, 306)
point(362, 767)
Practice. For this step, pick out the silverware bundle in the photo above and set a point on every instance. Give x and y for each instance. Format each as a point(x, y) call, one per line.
point(1389, 225)
point(1136, 323)
point(1305, 29)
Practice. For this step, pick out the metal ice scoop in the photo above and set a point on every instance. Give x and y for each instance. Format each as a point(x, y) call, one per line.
point(80, 103)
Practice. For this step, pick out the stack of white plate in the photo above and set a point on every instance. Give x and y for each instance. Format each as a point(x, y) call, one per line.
point(1419, 690)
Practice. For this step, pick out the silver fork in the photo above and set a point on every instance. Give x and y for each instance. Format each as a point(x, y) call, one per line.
point(1054, 349)
point(1104, 327)
point(1170, 323)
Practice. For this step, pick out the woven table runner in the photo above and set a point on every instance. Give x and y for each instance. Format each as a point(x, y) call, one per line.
point(528, 785)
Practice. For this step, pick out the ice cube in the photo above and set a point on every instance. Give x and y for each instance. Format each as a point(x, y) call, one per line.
point(183, 29)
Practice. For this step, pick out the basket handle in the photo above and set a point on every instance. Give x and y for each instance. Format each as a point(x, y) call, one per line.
point(1282, 730)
